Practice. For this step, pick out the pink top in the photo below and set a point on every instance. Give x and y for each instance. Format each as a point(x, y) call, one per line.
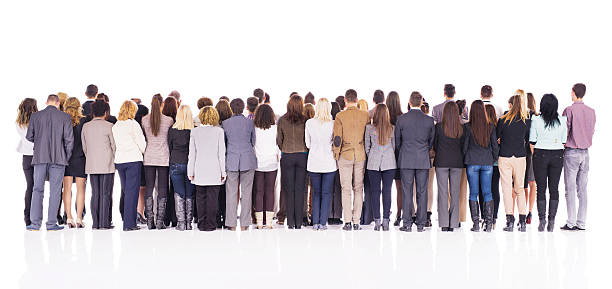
point(580, 125)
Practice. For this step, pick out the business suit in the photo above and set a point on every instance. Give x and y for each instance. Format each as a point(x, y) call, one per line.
point(414, 137)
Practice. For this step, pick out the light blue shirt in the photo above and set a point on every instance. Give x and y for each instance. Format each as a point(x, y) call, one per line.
point(550, 138)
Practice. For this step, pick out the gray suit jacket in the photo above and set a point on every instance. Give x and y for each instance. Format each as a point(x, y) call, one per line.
point(98, 146)
point(380, 158)
point(206, 156)
point(51, 132)
point(436, 113)
point(414, 137)
point(240, 144)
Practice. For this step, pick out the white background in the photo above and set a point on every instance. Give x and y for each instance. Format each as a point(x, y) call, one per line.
point(139, 48)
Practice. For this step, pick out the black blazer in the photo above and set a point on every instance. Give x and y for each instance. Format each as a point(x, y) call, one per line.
point(513, 137)
point(476, 154)
point(414, 137)
point(449, 151)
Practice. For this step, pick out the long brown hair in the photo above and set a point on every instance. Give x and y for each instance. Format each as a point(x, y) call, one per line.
point(451, 120)
point(381, 121)
point(26, 108)
point(155, 118)
point(479, 125)
point(295, 108)
point(170, 107)
point(515, 111)
point(531, 103)
point(394, 106)
point(491, 114)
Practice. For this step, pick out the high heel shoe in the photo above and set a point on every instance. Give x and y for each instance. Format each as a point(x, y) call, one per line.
point(70, 223)
point(80, 224)
point(140, 219)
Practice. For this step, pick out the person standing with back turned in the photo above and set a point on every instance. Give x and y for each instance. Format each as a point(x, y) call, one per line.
point(349, 151)
point(51, 132)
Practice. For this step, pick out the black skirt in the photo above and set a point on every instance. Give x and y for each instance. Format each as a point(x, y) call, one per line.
point(75, 168)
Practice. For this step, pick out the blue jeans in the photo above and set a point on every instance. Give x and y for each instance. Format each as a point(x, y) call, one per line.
point(56, 175)
point(129, 173)
point(322, 184)
point(480, 176)
point(376, 177)
point(576, 177)
point(180, 182)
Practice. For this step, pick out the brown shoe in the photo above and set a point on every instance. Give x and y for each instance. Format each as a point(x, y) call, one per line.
point(244, 228)
point(231, 228)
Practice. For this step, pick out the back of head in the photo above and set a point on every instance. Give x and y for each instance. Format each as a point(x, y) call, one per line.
point(335, 109)
point(176, 95)
point(267, 98)
point(486, 91)
point(308, 111)
point(295, 108)
point(309, 98)
point(394, 106)
point(72, 107)
point(451, 120)
point(449, 90)
point(362, 104)
point(491, 114)
point(223, 109)
point(184, 119)
point(91, 91)
point(99, 108)
point(323, 110)
point(224, 98)
point(264, 117)
point(515, 111)
point(62, 99)
point(340, 101)
point(127, 111)
point(209, 116)
point(382, 122)
point(204, 101)
point(350, 96)
point(416, 99)
point(579, 90)
point(252, 103)
point(26, 108)
point(259, 94)
point(379, 96)
point(479, 124)
point(531, 102)
point(53, 99)
point(155, 116)
point(237, 106)
point(548, 110)
point(170, 107)
point(461, 104)
point(425, 107)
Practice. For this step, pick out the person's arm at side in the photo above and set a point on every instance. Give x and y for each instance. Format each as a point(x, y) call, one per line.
point(221, 155)
point(192, 157)
point(564, 135)
point(432, 134)
point(494, 145)
point(279, 136)
point(31, 129)
point(307, 134)
point(169, 138)
point(337, 140)
point(533, 136)
point(253, 136)
point(111, 139)
point(368, 142)
point(528, 123)
point(499, 130)
point(398, 137)
point(466, 140)
point(68, 137)
point(434, 114)
point(83, 143)
point(568, 116)
point(138, 136)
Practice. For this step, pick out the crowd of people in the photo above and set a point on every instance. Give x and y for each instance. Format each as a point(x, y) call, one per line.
point(337, 160)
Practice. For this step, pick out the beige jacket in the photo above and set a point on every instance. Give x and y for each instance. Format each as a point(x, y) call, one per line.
point(349, 131)
point(99, 147)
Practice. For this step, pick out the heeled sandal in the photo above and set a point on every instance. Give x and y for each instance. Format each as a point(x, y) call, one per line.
point(80, 224)
point(70, 223)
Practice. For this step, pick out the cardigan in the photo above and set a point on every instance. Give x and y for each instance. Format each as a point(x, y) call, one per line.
point(129, 141)
point(157, 152)
point(178, 145)
point(318, 139)
point(206, 162)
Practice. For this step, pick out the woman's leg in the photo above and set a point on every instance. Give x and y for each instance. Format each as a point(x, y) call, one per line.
point(387, 183)
point(259, 190)
point(495, 191)
point(454, 187)
point(316, 179)
point(518, 167)
point(162, 195)
point(149, 172)
point(28, 171)
point(375, 192)
point(80, 199)
point(398, 190)
point(300, 181)
point(67, 197)
point(327, 185)
point(443, 176)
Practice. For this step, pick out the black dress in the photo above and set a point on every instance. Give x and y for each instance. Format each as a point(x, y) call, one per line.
point(76, 163)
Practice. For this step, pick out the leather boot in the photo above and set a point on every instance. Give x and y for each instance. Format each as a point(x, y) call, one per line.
point(259, 219)
point(179, 207)
point(541, 214)
point(376, 224)
point(398, 219)
point(428, 223)
point(149, 213)
point(488, 208)
point(475, 216)
point(188, 213)
point(552, 212)
point(161, 213)
point(522, 223)
point(269, 220)
point(385, 224)
point(509, 223)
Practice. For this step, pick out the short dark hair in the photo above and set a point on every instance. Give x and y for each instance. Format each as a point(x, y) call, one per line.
point(340, 101)
point(103, 96)
point(416, 99)
point(175, 94)
point(449, 90)
point(379, 96)
point(53, 97)
point(350, 96)
point(252, 103)
point(91, 91)
point(259, 93)
point(224, 98)
point(579, 90)
point(486, 91)
point(309, 98)
point(335, 109)
point(204, 101)
point(237, 106)
point(99, 108)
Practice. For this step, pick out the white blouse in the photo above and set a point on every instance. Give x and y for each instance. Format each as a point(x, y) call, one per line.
point(266, 150)
point(318, 137)
point(24, 147)
point(129, 141)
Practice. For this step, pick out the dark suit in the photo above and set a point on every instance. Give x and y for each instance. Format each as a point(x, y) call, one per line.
point(414, 137)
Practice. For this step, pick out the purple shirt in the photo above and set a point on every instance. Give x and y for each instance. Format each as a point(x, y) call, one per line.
point(251, 116)
point(580, 125)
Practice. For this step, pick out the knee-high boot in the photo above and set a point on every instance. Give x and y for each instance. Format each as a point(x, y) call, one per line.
point(189, 213)
point(552, 212)
point(541, 214)
point(179, 207)
point(149, 213)
point(161, 213)
point(488, 208)
point(475, 216)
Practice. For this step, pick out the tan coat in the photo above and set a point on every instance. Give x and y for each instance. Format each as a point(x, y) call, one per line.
point(98, 146)
point(349, 131)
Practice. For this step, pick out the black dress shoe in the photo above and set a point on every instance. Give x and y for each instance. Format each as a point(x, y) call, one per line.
point(444, 229)
point(449, 230)
point(131, 229)
point(140, 219)
point(347, 227)
point(406, 228)
point(398, 221)
point(356, 227)
point(568, 228)
point(107, 228)
point(420, 229)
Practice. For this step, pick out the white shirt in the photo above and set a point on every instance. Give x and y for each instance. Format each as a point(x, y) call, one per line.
point(498, 109)
point(318, 137)
point(25, 147)
point(266, 150)
point(129, 141)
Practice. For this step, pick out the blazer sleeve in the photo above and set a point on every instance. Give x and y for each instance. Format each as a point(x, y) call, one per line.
point(494, 145)
point(528, 123)
point(30, 131)
point(466, 140)
point(368, 142)
point(393, 140)
point(253, 136)
point(83, 143)
point(170, 139)
point(337, 140)
point(279, 136)
point(68, 137)
point(432, 134)
point(221, 153)
point(499, 130)
point(111, 139)
point(192, 156)
point(398, 137)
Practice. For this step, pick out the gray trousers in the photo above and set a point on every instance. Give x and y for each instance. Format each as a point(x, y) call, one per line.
point(410, 177)
point(449, 179)
point(56, 176)
point(576, 176)
point(245, 179)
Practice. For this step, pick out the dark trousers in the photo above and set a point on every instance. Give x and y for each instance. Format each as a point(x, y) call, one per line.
point(28, 171)
point(366, 212)
point(322, 184)
point(494, 193)
point(547, 166)
point(293, 172)
point(409, 178)
point(207, 198)
point(264, 191)
point(281, 215)
point(170, 215)
point(101, 199)
point(162, 182)
point(220, 206)
point(335, 207)
point(129, 174)
point(378, 178)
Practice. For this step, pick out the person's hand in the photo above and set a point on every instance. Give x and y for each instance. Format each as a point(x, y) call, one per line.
point(191, 178)
point(498, 141)
point(222, 179)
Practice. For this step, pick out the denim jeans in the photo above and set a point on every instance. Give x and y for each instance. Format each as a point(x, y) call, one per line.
point(180, 182)
point(479, 177)
point(376, 178)
point(129, 173)
point(322, 184)
point(576, 167)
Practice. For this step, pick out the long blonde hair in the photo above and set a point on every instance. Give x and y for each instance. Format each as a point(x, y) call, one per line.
point(515, 111)
point(184, 119)
point(128, 110)
point(72, 106)
point(323, 110)
point(362, 105)
point(523, 100)
point(62, 98)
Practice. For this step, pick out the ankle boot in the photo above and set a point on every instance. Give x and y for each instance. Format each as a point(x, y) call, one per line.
point(161, 213)
point(376, 224)
point(149, 213)
point(488, 208)
point(188, 213)
point(475, 216)
point(509, 223)
point(269, 220)
point(385, 224)
point(522, 223)
point(259, 219)
point(398, 219)
point(179, 207)
point(428, 223)
point(541, 214)
point(552, 212)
